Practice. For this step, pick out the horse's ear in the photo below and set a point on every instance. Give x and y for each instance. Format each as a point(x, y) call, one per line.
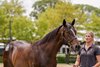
point(73, 22)
point(64, 22)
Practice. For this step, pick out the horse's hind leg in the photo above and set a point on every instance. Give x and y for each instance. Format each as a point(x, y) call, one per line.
point(6, 60)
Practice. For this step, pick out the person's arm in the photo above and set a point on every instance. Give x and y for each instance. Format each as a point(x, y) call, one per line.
point(98, 61)
point(77, 63)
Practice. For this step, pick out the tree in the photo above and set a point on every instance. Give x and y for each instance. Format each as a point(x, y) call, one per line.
point(8, 9)
point(88, 8)
point(91, 19)
point(41, 5)
point(94, 25)
point(11, 13)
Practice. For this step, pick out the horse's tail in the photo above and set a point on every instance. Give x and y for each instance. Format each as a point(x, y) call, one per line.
point(6, 59)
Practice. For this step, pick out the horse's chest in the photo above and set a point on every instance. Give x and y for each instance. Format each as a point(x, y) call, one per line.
point(43, 59)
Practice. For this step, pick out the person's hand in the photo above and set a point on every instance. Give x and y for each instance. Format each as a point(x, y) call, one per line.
point(75, 65)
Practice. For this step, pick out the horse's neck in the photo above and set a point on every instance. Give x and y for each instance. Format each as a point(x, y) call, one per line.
point(51, 48)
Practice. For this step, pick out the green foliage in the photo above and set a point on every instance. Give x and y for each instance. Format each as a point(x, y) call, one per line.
point(62, 58)
point(22, 28)
point(94, 25)
point(92, 19)
point(12, 12)
point(90, 9)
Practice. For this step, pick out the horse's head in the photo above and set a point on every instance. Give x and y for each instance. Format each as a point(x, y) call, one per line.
point(69, 33)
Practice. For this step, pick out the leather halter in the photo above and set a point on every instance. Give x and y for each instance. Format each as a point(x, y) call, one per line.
point(69, 41)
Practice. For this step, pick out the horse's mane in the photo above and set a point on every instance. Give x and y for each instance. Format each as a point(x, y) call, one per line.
point(51, 35)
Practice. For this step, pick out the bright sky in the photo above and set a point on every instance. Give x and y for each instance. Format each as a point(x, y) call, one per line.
point(28, 3)
point(95, 3)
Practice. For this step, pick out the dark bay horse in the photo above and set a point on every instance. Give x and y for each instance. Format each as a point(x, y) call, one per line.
point(43, 52)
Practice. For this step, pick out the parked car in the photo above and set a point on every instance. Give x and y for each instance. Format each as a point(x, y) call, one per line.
point(1, 48)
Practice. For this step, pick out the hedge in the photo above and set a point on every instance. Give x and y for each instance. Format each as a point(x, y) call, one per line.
point(62, 58)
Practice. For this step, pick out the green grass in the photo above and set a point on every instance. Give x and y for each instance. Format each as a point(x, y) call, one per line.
point(1, 59)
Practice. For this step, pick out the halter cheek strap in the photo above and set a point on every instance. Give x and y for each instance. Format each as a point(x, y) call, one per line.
point(68, 41)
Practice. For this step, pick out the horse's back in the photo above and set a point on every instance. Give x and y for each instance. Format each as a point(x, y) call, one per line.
point(20, 44)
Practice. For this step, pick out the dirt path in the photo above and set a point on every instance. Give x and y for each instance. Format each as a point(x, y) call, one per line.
point(64, 65)
point(1, 65)
point(58, 65)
